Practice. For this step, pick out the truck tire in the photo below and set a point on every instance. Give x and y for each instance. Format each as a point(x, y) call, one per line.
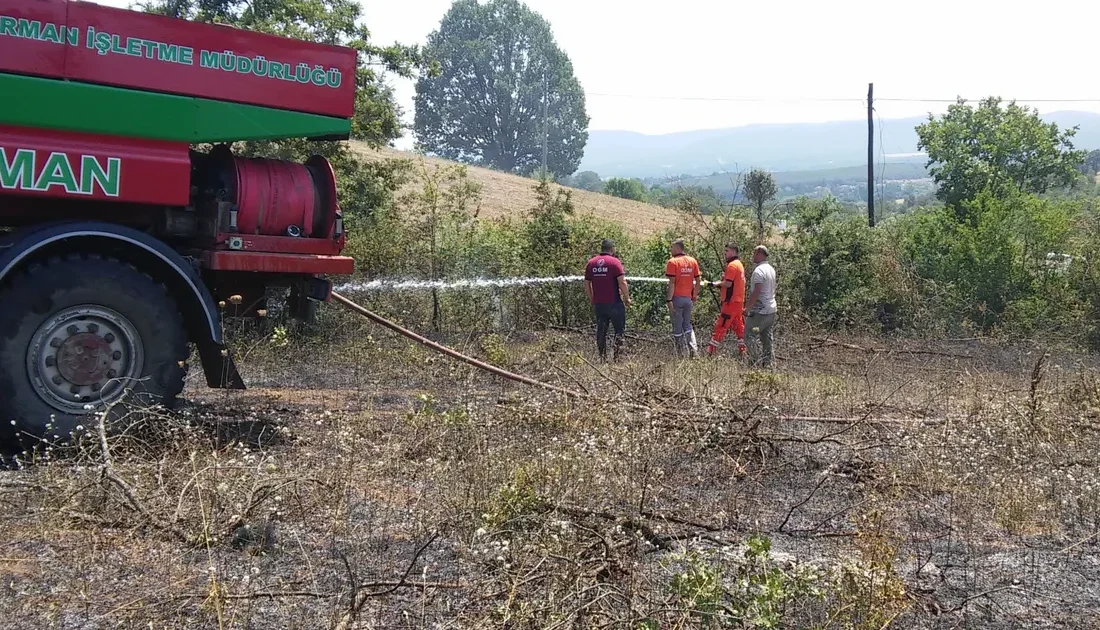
point(84, 330)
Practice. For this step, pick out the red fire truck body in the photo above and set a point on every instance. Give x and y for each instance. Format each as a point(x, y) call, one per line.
point(128, 228)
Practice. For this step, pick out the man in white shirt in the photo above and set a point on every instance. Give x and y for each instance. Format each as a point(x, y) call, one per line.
point(760, 311)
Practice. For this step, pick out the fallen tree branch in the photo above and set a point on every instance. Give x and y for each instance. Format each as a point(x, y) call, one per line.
point(858, 419)
point(575, 380)
point(625, 522)
point(362, 595)
point(827, 341)
point(519, 378)
point(606, 376)
point(107, 472)
point(962, 604)
point(804, 501)
point(672, 518)
point(319, 594)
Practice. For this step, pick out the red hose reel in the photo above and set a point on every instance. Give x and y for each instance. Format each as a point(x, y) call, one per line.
point(280, 198)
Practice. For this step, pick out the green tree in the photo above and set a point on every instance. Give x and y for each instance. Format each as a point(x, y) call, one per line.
point(626, 188)
point(548, 232)
point(588, 180)
point(990, 270)
point(550, 237)
point(995, 148)
point(703, 197)
point(759, 189)
point(501, 72)
point(1085, 273)
point(1092, 161)
point(830, 267)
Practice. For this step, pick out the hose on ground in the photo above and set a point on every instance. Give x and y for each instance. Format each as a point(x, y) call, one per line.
point(401, 330)
point(526, 380)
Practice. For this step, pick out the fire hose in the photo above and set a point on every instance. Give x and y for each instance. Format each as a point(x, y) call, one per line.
point(519, 378)
point(442, 349)
point(481, 365)
point(454, 354)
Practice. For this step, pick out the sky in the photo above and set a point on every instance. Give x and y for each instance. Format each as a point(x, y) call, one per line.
point(651, 67)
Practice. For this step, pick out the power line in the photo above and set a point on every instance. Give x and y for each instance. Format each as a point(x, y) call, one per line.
point(658, 97)
point(971, 100)
point(818, 99)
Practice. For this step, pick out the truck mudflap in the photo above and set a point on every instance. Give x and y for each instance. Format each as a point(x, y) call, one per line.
point(151, 256)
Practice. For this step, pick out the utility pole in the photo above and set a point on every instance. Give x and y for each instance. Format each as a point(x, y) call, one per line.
point(870, 155)
point(545, 122)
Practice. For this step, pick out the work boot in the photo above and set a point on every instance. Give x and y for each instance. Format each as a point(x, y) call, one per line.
point(742, 349)
point(712, 348)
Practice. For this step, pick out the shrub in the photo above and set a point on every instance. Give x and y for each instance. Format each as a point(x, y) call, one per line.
point(830, 270)
point(625, 188)
point(978, 268)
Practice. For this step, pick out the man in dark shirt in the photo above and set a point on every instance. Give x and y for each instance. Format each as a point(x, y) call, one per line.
point(605, 285)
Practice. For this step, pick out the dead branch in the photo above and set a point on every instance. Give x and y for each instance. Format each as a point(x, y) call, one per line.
point(962, 604)
point(854, 419)
point(362, 594)
point(1033, 388)
point(817, 527)
point(601, 373)
point(825, 341)
point(672, 518)
point(88, 518)
point(108, 473)
point(395, 585)
point(576, 381)
point(804, 501)
point(22, 485)
point(623, 521)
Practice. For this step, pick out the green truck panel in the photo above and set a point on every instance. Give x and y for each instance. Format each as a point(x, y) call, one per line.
point(83, 107)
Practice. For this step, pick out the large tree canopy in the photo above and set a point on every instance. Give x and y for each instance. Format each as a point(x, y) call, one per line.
point(996, 148)
point(499, 62)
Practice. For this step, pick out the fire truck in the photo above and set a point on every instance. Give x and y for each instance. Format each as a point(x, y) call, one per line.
point(128, 227)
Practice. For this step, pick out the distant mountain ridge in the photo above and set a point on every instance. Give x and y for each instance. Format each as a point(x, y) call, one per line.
point(777, 147)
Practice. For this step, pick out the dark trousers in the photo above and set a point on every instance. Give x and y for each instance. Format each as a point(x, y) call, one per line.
point(615, 316)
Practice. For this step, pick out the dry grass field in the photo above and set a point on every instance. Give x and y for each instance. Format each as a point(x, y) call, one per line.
point(373, 484)
point(511, 195)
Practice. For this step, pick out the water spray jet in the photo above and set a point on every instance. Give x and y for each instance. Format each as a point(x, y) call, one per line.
point(471, 283)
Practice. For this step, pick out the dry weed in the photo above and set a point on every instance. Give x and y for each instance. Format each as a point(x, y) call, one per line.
point(374, 485)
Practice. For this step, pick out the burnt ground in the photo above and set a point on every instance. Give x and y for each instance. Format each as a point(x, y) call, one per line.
point(372, 484)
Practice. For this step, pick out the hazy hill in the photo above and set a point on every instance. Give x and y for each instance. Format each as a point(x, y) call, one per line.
point(510, 195)
point(777, 147)
point(891, 171)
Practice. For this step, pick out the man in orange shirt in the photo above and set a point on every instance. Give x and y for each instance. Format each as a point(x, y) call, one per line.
point(683, 289)
point(733, 302)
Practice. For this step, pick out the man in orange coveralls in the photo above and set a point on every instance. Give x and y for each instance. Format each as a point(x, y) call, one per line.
point(733, 302)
